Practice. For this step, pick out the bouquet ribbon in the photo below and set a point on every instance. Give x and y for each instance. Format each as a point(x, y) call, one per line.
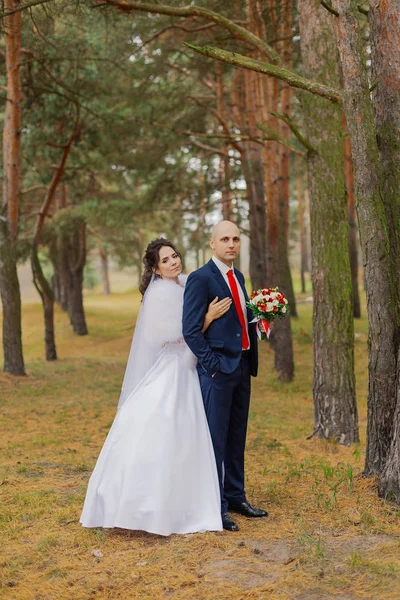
point(266, 327)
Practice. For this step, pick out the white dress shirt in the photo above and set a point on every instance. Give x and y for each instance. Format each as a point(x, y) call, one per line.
point(224, 271)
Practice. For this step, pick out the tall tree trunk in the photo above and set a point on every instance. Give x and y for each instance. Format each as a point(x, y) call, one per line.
point(224, 167)
point(63, 273)
point(351, 210)
point(9, 284)
point(253, 172)
point(11, 301)
point(76, 263)
point(46, 294)
point(277, 193)
point(300, 222)
point(284, 47)
point(104, 269)
point(333, 335)
point(384, 20)
point(383, 332)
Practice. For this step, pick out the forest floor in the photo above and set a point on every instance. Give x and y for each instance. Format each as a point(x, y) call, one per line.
point(328, 535)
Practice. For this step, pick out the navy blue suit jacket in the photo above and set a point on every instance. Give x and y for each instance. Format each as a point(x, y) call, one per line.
point(219, 348)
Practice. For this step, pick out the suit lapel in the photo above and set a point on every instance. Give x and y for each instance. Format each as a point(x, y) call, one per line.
point(227, 290)
point(219, 277)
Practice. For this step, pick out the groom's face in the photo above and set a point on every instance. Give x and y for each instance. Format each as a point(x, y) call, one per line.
point(226, 242)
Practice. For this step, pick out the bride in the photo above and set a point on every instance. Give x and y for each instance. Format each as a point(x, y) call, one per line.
point(156, 471)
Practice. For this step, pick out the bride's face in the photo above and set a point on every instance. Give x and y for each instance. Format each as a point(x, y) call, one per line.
point(169, 264)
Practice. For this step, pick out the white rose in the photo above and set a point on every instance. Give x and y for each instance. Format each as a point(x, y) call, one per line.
point(273, 295)
point(275, 302)
point(285, 301)
point(270, 307)
point(283, 309)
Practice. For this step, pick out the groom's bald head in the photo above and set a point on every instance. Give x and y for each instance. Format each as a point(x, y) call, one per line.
point(225, 241)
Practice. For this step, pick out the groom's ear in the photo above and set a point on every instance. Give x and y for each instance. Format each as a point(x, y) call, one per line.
point(212, 243)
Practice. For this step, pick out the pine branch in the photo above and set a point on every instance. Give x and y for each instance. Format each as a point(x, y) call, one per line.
point(55, 180)
point(272, 136)
point(334, 12)
point(23, 7)
point(230, 137)
point(293, 79)
point(302, 139)
point(33, 188)
point(329, 8)
point(363, 10)
point(236, 30)
point(209, 149)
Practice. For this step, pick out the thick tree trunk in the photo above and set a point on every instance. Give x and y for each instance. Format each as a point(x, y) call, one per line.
point(384, 20)
point(76, 263)
point(104, 269)
point(11, 301)
point(333, 335)
point(382, 311)
point(76, 311)
point(9, 285)
point(351, 210)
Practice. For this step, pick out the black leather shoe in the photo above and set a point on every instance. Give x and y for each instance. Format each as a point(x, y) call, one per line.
point(228, 524)
point(246, 509)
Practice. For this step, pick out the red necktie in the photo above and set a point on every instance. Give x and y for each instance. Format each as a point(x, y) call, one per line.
point(239, 309)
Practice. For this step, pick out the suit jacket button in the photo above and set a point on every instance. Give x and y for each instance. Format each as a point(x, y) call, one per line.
point(238, 335)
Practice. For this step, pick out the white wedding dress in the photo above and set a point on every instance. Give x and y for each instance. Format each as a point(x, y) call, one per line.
point(156, 471)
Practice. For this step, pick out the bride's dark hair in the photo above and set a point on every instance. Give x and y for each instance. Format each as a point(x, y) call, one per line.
point(151, 259)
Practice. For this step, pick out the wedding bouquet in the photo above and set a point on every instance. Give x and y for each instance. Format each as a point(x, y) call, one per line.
point(267, 304)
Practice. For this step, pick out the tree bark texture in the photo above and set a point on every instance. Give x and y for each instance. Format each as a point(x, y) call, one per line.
point(11, 301)
point(244, 113)
point(104, 269)
point(374, 239)
point(9, 284)
point(351, 210)
point(267, 95)
point(47, 297)
point(262, 96)
point(76, 259)
point(384, 21)
point(300, 222)
point(333, 334)
point(284, 47)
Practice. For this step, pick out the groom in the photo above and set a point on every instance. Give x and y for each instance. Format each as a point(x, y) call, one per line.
point(227, 356)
